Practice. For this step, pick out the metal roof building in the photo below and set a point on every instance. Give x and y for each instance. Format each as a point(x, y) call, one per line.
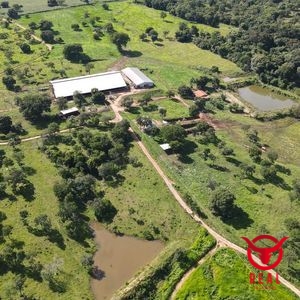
point(69, 112)
point(138, 78)
point(84, 84)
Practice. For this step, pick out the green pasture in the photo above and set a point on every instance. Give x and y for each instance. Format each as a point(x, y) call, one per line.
point(44, 175)
point(30, 6)
point(224, 276)
point(144, 203)
point(175, 109)
point(262, 206)
point(168, 62)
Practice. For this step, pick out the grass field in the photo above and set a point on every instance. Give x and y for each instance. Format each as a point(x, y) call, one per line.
point(38, 5)
point(75, 277)
point(175, 109)
point(144, 205)
point(263, 207)
point(226, 276)
point(169, 62)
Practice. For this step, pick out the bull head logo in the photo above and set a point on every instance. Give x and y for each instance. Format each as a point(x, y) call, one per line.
point(265, 253)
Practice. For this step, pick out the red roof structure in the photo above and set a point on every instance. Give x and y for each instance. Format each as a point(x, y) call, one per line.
point(200, 94)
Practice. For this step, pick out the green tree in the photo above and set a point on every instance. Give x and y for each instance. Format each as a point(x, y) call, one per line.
point(247, 170)
point(9, 82)
point(5, 124)
point(52, 129)
point(268, 172)
point(173, 133)
point(185, 92)
point(98, 97)
point(32, 106)
point(47, 36)
point(295, 193)
point(73, 52)
point(163, 15)
point(272, 155)
point(120, 39)
point(44, 224)
point(104, 210)
point(79, 99)
point(127, 102)
point(193, 110)
point(162, 111)
point(255, 153)
point(45, 25)
point(222, 203)
point(62, 103)
point(25, 48)
point(13, 13)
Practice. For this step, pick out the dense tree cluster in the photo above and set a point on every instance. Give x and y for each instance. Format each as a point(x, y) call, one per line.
point(33, 105)
point(266, 41)
point(91, 155)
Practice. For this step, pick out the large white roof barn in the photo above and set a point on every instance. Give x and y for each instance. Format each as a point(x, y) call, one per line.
point(84, 84)
point(138, 78)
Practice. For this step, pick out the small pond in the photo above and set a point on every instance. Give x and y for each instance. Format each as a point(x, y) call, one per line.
point(118, 258)
point(264, 99)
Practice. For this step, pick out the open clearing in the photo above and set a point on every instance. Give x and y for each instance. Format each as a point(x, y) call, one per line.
point(169, 62)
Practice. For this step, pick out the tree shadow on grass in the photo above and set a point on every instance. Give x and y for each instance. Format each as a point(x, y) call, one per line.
point(233, 160)
point(283, 169)
point(240, 219)
point(28, 170)
point(115, 181)
point(278, 181)
point(56, 237)
point(28, 192)
point(188, 148)
point(46, 120)
point(131, 53)
point(218, 168)
point(150, 107)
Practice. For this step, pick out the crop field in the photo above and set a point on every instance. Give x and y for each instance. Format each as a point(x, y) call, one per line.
point(226, 274)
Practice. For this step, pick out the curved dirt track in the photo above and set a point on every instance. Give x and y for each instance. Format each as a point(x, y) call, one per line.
point(220, 239)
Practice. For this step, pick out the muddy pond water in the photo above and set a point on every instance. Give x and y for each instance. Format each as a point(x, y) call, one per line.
point(264, 99)
point(118, 258)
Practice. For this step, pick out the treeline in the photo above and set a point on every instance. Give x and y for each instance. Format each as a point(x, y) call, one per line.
point(266, 40)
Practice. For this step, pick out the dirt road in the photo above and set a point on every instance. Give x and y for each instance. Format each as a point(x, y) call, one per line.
point(115, 105)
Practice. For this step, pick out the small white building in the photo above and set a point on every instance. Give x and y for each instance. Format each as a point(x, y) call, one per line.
point(138, 78)
point(108, 81)
point(73, 111)
point(165, 147)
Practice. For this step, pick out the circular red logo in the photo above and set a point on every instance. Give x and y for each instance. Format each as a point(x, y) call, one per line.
point(265, 254)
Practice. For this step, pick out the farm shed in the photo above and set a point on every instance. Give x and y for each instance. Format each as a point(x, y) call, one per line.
point(109, 81)
point(69, 112)
point(201, 94)
point(138, 78)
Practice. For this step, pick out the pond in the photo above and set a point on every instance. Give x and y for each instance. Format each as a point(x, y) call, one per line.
point(118, 258)
point(264, 99)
